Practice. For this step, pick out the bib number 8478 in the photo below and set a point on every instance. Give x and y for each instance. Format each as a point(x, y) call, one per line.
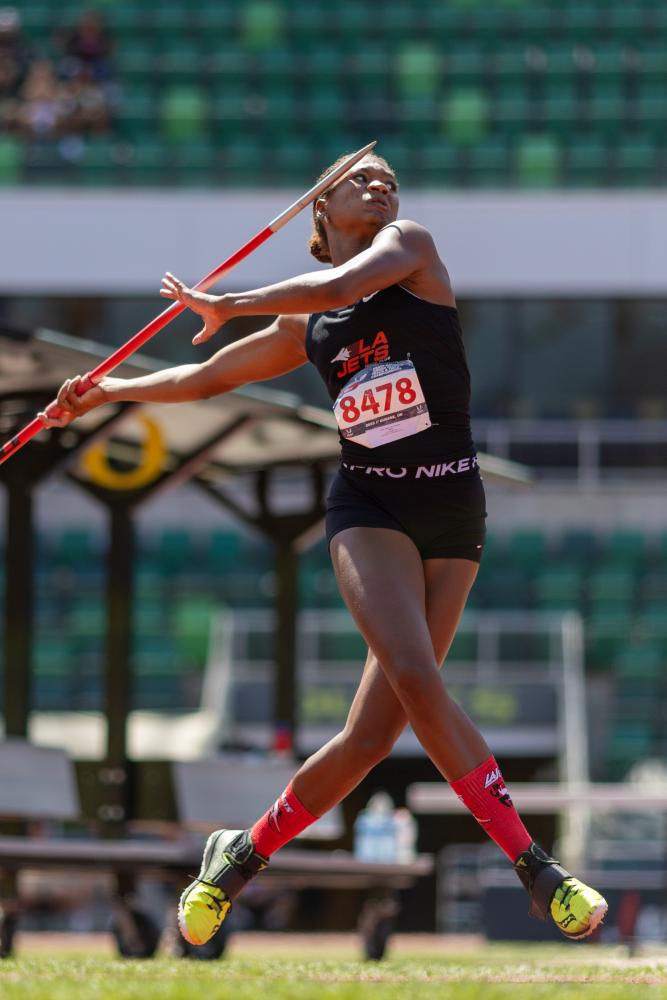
point(369, 401)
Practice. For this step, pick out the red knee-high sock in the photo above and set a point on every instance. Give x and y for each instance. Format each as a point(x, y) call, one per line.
point(284, 820)
point(484, 793)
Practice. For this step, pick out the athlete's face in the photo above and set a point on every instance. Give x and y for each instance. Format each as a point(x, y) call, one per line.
point(365, 198)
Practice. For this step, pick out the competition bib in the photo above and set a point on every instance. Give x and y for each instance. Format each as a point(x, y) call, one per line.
point(382, 403)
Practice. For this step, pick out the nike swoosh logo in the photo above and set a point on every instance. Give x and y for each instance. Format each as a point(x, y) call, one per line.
point(367, 298)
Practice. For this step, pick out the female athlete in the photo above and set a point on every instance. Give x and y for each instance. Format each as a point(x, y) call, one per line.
point(405, 519)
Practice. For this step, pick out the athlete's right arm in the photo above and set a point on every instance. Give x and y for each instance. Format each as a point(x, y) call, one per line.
point(278, 349)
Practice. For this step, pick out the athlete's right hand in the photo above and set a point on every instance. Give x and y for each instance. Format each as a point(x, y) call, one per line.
point(70, 405)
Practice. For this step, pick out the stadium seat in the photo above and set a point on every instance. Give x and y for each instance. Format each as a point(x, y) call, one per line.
point(11, 157)
point(578, 543)
point(489, 162)
point(528, 549)
point(537, 162)
point(587, 163)
point(417, 71)
point(195, 164)
point(465, 116)
point(558, 587)
point(184, 114)
point(261, 25)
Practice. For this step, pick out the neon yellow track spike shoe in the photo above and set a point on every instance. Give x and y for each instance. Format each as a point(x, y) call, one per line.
point(230, 861)
point(575, 908)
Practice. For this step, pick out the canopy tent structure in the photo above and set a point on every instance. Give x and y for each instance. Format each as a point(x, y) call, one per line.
point(252, 432)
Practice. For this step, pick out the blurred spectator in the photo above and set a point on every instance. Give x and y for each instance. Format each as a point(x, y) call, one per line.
point(88, 46)
point(86, 104)
point(14, 52)
point(14, 57)
point(41, 110)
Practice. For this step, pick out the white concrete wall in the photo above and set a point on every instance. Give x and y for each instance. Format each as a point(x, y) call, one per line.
point(112, 242)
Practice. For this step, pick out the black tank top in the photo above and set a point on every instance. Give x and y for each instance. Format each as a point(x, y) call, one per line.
point(395, 325)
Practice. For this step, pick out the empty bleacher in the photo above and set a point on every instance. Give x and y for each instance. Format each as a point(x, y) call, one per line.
point(463, 93)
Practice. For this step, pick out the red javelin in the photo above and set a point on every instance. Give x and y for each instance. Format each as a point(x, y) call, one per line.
point(139, 339)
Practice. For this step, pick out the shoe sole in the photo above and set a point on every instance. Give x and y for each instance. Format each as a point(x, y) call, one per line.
point(208, 854)
point(597, 916)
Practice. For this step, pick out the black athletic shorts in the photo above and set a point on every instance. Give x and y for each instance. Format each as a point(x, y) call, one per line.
point(441, 506)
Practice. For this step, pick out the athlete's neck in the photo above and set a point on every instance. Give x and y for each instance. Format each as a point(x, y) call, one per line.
point(345, 246)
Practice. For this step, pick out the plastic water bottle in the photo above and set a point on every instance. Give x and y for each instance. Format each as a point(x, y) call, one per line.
point(405, 833)
point(374, 830)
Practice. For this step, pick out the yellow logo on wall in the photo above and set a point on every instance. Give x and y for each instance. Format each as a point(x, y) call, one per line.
point(151, 463)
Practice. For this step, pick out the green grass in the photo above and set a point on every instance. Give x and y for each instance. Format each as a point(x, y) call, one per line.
point(492, 973)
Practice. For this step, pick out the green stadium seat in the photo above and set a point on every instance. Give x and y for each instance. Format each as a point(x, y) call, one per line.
point(368, 72)
point(276, 68)
point(342, 646)
point(137, 115)
point(654, 586)
point(580, 22)
point(184, 114)
point(605, 113)
point(227, 67)
point(587, 163)
point(149, 614)
point(535, 22)
point(228, 119)
point(418, 118)
point(353, 21)
point(170, 22)
point(559, 114)
point(465, 116)
point(463, 648)
point(511, 112)
point(195, 164)
point(509, 66)
point(605, 633)
point(464, 67)
point(507, 587)
point(318, 589)
point(135, 61)
point(323, 112)
point(612, 584)
point(558, 587)
point(215, 21)
point(261, 25)
point(628, 742)
point(528, 549)
point(417, 71)
point(11, 158)
point(626, 22)
point(293, 160)
point(181, 62)
point(639, 660)
point(222, 551)
point(38, 21)
point(625, 546)
point(559, 64)
point(579, 543)
point(99, 163)
point(324, 66)
point(489, 162)
point(397, 21)
point(537, 161)
point(281, 114)
point(191, 626)
point(126, 23)
point(635, 162)
point(148, 163)
point(440, 164)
